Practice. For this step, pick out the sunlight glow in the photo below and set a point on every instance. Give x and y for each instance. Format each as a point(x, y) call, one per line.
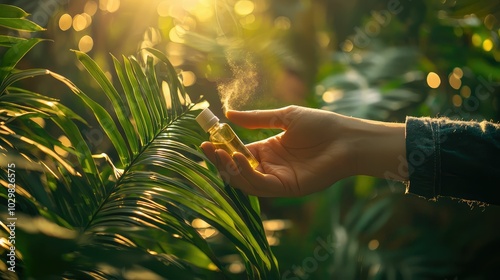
point(39, 121)
point(4, 242)
point(65, 22)
point(433, 80)
point(204, 228)
point(66, 143)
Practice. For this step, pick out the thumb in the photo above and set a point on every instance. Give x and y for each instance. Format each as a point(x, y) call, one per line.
point(276, 118)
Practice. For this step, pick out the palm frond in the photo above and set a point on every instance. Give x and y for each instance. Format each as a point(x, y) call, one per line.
point(148, 209)
point(143, 208)
point(166, 174)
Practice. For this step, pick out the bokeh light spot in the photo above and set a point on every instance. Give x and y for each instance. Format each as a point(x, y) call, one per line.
point(465, 92)
point(109, 5)
point(244, 7)
point(177, 12)
point(276, 224)
point(236, 267)
point(163, 8)
point(433, 80)
point(65, 22)
point(487, 45)
point(323, 39)
point(90, 8)
point(113, 5)
point(203, 13)
point(79, 22)
point(455, 82)
point(188, 78)
point(282, 23)
point(86, 44)
point(332, 95)
point(373, 244)
point(176, 34)
point(457, 100)
point(248, 20)
point(459, 73)
point(476, 40)
point(489, 21)
point(347, 46)
point(189, 5)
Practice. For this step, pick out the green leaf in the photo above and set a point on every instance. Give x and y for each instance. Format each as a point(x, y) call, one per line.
point(9, 11)
point(14, 55)
point(9, 41)
point(20, 75)
point(143, 216)
point(7, 131)
point(103, 117)
point(174, 84)
point(156, 90)
point(144, 120)
point(134, 110)
point(110, 91)
point(153, 113)
point(20, 24)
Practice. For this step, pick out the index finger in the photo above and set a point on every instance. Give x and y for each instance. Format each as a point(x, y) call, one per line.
point(276, 118)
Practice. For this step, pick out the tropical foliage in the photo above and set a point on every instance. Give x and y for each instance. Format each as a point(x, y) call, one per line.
point(158, 211)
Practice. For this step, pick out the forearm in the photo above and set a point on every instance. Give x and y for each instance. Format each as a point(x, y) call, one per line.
point(379, 148)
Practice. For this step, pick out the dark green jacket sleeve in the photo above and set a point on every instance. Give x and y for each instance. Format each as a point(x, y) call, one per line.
point(453, 158)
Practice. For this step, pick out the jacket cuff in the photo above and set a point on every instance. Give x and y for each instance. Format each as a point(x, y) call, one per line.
point(423, 156)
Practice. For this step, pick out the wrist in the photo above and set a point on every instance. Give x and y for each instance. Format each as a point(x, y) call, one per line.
point(379, 148)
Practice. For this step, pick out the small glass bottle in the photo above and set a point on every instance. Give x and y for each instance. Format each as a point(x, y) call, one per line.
point(223, 136)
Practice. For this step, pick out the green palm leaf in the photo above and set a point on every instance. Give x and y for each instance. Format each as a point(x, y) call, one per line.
point(140, 221)
point(163, 188)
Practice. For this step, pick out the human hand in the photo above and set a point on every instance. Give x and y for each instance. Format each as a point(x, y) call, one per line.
point(310, 155)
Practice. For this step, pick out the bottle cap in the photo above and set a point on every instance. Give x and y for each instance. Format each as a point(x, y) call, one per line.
point(206, 119)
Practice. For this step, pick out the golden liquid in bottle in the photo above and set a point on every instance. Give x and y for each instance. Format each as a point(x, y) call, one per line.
point(227, 140)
